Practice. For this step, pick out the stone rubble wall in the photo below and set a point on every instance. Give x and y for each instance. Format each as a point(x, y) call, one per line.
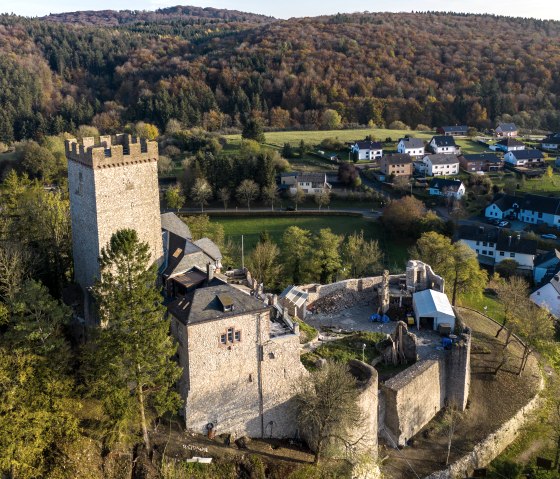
point(366, 285)
point(492, 446)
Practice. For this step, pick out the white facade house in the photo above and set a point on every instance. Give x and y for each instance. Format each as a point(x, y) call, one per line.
point(444, 145)
point(508, 144)
point(432, 309)
point(523, 157)
point(441, 164)
point(493, 246)
point(367, 150)
point(309, 183)
point(447, 188)
point(533, 209)
point(411, 146)
point(551, 142)
point(506, 129)
point(548, 296)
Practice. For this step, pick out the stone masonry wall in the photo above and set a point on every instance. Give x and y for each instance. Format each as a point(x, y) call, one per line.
point(103, 200)
point(224, 380)
point(363, 284)
point(412, 398)
point(282, 370)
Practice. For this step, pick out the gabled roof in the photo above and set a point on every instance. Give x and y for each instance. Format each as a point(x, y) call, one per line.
point(441, 183)
point(294, 295)
point(455, 129)
point(504, 242)
point(505, 202)
point(516, 244)
point(441, 159)
point(553, 138)
point(209, 247)
point(203, 305)
point(172, 223)
point(544, 204)
point(510, 142)
point(368, 145)
point(527, 154)
point(546, 257)
point(507, 127)
point(429, 302)
point(412, 143)
point(483, 157)
point(444, 140)
point(312, 177)
point(397, 158)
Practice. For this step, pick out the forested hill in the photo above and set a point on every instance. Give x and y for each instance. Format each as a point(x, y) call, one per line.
point(124, 17)
point(218, 70)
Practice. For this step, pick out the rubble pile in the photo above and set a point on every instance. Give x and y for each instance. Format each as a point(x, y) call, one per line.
point(340, 300)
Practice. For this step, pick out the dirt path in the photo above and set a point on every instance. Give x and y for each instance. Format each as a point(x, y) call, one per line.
point(493, 399)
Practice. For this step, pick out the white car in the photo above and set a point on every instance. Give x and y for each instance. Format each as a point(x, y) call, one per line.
point(549, 236)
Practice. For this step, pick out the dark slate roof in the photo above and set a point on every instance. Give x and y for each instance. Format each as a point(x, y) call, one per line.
point(553, 138)
point(202, 304)
point(442, 159)
point(397, 158)
point(507, 127)
point(544, 204)
point(544, 258)
point(172, 223)
point(509, 142)
point(527, 154)
point(441, 183)
point(444, 140)
point(505, 202)
point(312, 177)
point(504, 241)
point(515, 244)
point(183, 255)
point(412, 142)
point(486, 157)
point(368, 145)
point(209, 247)
point(456, 129)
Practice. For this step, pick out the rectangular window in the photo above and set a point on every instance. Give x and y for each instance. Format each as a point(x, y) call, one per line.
point(230, 335)
point(223, 339)
point(512, 255)
point(477, 251)
point(484, 243)
point(501, 253)
point(237, 336)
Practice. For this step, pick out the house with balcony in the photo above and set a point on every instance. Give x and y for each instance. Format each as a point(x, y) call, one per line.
point(444, 145)
point(441, 165)
point(367, 150)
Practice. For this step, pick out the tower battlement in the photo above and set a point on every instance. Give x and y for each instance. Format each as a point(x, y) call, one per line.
point(109, 151)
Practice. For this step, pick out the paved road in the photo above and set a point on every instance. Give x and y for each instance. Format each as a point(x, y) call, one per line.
point(367, 213)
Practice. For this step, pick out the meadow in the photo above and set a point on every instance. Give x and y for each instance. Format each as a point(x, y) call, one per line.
point(251, 228)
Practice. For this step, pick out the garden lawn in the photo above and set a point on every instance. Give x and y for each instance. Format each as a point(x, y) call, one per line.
point(251, 228)
point(494, 308)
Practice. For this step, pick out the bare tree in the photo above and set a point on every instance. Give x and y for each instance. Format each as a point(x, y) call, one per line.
point(247, 191)
point(328, 408)
point(323, 198)
point(224, 196)
point(269, 194)
point(512, 293)
point(201, 192)
point(298, 196)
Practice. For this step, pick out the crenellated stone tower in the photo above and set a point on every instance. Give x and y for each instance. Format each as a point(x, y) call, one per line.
point(113, 185)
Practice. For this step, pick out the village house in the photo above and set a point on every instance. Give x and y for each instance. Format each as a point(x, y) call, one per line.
point(411, 146)
point(551, 142)
point(493, 245)
point(533, 209)
point(508, 144)
point(524, 158)
point(309, 183)
point(457, 130)
point(239, 363)
point(506, 129)
point(444, 145)
point(480, 162)
point(440, 165)
point(447, 188)
point(367, 150)
point(546, 266)
point(396, 164)
point(548, 296)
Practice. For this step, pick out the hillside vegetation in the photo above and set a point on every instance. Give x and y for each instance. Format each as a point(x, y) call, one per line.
point(217, 68)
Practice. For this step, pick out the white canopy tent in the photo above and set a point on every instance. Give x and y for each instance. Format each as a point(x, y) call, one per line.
point(432, 308)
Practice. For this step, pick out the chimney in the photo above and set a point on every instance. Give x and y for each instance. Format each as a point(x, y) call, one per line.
point(509, 240)
point(273, 300)
point(209, 272)
point(518, 236)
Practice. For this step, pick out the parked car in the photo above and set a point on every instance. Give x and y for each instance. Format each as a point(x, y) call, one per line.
point(503, 224)
point(549, 236)
point(493, 221)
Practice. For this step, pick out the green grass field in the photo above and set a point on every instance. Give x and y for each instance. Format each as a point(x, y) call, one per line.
point(395, 252)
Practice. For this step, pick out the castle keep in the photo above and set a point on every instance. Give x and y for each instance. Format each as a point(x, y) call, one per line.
point(112, 185)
